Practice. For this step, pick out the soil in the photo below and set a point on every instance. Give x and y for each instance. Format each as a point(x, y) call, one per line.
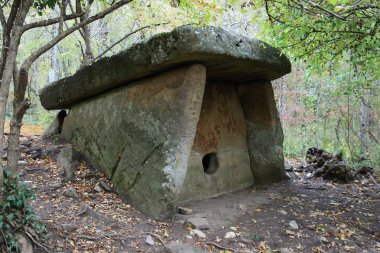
point(330, 217)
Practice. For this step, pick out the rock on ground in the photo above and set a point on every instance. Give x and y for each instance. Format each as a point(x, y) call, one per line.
point(24, 243)
point(197, 233)
point(184, 210)
point(71, 193)
point(149, 240)
point(69, 160)
point(69, 227)
point(177, 247)
point(198, 223)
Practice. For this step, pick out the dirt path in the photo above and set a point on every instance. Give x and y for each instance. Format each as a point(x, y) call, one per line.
point(330, 217)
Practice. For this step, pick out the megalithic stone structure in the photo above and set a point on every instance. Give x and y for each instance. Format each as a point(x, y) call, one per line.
point(190, 114)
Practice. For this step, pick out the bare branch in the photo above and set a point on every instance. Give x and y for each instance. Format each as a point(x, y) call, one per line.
point(3, 20)
point(51, 21)
point(12, 16)
point(314, 4)
point(28, 62)
point(75, 20)
point(4, 4)
point(126, 36)
point(62, 15)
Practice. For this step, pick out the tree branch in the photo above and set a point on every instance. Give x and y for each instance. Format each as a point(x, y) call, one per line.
point(5, 3)
point(126, 36)
point(62, 15)
point(313, 4)
point(51, 21)
point(28, 62)
point(3, 20)
point(75, 20)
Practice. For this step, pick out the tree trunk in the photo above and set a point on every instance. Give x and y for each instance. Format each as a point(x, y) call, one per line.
point(102, 45)
point(10, 60)
point(20, 103)
point(86, 33)
point(364, 122)
point(19, 109)
point(7, 78)
point(54, 59)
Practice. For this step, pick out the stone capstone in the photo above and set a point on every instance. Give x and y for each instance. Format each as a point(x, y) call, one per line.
point(226, 56)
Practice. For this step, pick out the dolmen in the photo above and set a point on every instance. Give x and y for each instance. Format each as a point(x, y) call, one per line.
point(187, 115)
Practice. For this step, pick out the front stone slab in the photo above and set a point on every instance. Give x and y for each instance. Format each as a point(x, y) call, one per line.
point(141, 135)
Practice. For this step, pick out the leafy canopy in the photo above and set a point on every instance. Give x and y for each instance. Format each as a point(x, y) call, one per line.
point(324, 32)
point(41, 5)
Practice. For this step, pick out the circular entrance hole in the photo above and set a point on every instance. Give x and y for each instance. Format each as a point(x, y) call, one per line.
point(210, 163)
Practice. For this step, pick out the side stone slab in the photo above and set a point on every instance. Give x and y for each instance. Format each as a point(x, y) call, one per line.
point(264, 131)
point(141, 135)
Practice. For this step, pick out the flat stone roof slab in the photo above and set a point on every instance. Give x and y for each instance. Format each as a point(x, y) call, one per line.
point(226, 56)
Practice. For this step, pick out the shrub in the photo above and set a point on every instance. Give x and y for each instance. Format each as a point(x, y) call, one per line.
point(16, 215)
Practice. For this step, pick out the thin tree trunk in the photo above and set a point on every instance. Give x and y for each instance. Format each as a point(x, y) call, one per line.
point(6, 80)
point(54, 61)
point(9, 65)
point(364, 123)
point(102, 45)
point(14, 135)
point(86, 33)
point(20, 103)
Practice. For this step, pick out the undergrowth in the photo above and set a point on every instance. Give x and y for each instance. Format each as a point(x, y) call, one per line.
point(16, 215)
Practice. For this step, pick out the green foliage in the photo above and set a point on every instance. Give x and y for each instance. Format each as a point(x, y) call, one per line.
point(15, 213)
point(255, 237)
point(326, 32)
point(325, 110)
point(41, 5)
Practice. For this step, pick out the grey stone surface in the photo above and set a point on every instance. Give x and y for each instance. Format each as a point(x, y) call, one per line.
point(198, 223)
point(197, 233)
point(264, 132)
point(221, 135)
point(178, 247)
point(25, 245)
point(184, 210)
point(284, 250)
point(227, 57)
point(188, 115)
point(141, 135)
point(149, 240)
point(69, 227)
point(69, 160)
point(105, 186)
point(288, 167)
point(293, 225)
point(55, 127)
point(71, 193)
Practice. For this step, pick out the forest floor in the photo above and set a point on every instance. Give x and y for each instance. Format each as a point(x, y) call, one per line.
point(295, 215)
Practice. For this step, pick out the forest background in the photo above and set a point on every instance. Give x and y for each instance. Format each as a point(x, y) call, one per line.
point(331, 99)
